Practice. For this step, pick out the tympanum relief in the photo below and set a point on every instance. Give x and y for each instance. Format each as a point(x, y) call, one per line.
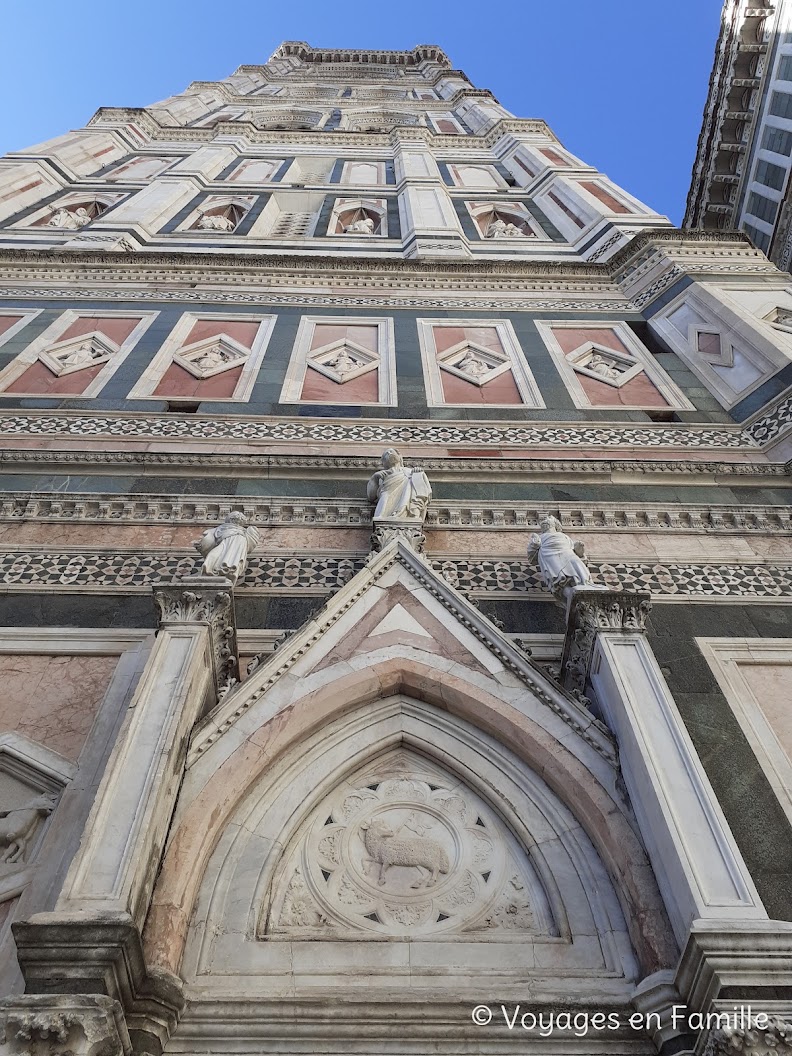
point(404, 850)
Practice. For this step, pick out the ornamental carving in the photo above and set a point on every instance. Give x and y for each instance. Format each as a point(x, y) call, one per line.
point(60, 1025)
point(404, 850)
point(773, 1040)
point(213, 355)
point(19, 827)
point(592, 610)
point(78, 353)
point(204, 603)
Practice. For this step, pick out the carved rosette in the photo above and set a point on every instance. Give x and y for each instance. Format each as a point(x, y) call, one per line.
point(773, 1040)
point(55, 1025)
point(404, 851)
point(593, 609)
point(207, 600)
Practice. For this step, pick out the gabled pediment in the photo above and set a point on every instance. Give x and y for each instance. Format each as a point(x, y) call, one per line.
point(398, 609)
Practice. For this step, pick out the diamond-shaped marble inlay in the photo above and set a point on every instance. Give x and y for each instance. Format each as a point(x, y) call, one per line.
point(78, 353)
point(604, 364)
point(213, 355)
point(343, 360)
point(473, 362)
point(711, 345)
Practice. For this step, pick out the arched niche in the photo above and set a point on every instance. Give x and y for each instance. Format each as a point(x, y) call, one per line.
point(484, 868)
point(501, 222)
point(356, 217)
point(72, 214)
point(220, 214)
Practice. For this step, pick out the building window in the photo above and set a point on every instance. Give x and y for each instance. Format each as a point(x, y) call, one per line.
point(759, 238)
point(770, 175)
point(781, 104)
point(762, 207)
point(785, 68)
point(778, 140)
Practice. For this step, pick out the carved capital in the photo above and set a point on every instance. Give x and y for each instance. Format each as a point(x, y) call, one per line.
point(775, 1039)
point(592, 609)
point(209, 601)
point(409, 532)
point(100, 959)
point(63, 1025)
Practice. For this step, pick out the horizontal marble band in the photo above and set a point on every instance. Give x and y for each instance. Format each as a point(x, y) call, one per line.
point(332, 430)
point(134, 572)
point(108, 508)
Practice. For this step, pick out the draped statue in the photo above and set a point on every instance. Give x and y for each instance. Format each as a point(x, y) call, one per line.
point(225, 548)
point(561, 560)
point(400, 493)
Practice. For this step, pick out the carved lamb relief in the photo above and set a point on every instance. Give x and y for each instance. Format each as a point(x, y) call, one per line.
point(404, 850)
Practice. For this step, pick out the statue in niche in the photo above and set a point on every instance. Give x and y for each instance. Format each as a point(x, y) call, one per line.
point(67, 220)
point(225, 548)
point(19, 825)
point(214, 222)
point(400, 493)
point(363, 226)
point(498, 228)
point(342, 362)
point(473, 365)
point(597, 364)
point(561, 560)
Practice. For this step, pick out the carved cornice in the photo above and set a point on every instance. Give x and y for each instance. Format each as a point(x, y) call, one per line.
point(591, 610)
point(80, 1025)
point(207, 600)
point(318, 512)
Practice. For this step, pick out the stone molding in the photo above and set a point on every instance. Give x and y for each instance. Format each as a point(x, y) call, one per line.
point(209, 601)
point(775, 1039)
point(94, 955)
point(564, 435)
point(128, 571)
point(318, 512)
point(63, 1025)
point(727, 957)
point(603, 470)
point(592, 610)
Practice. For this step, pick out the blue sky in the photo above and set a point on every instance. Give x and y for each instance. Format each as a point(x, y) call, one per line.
point(621, 82)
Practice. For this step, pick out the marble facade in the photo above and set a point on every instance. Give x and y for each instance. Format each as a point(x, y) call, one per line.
point(395, 609)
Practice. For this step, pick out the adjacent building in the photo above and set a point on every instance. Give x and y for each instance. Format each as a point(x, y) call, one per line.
point(396, 574)
point(740, 176)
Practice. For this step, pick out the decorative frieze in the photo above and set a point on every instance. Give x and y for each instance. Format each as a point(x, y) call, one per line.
point(107, 508)
point(446, 434)
point(63, 1025)
point(133, 572)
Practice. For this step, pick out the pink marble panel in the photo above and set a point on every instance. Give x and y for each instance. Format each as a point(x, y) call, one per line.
point(7, 321)
point(37, 378)
point(605, 197)
point(554, 156)
point(448, 336)
point(117, 330)
point(176, 381)
point(638, 392)
point(321, 389)
point(365, 336)
point(243, 331)
point(570, 338)
point(500, 390)
point(53, 699)
point(770, 684)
